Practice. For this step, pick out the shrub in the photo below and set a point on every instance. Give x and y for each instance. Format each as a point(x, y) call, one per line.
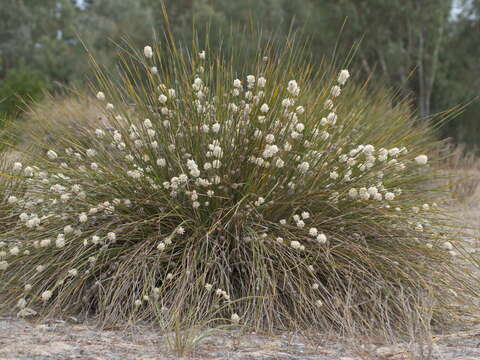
point(285, 197)
point(19, 86)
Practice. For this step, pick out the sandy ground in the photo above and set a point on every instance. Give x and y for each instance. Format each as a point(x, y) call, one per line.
point(60, 340)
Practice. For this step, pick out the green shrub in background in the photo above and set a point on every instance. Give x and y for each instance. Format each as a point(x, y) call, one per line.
point(20, 86)
point(269, 193)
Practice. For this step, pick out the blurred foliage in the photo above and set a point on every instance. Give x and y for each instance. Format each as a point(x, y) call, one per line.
point(426, 49)
point(20, 84)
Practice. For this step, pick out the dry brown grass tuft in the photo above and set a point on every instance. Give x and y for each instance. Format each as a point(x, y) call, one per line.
point(45, 122)
point(462, 169)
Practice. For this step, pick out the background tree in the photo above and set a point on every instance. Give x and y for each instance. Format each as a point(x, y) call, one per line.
point(459, 80)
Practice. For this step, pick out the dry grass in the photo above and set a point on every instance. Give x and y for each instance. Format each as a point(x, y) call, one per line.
point(51, 119)
point(462, 168)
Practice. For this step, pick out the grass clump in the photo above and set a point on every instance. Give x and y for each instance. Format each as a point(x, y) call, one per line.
point(272, 194)
point(44, 122)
